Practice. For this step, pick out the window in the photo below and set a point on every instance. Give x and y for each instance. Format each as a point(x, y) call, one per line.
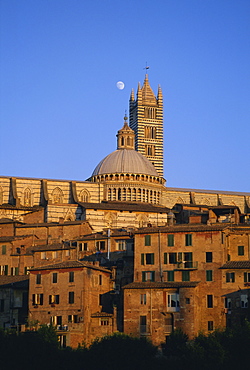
point(4, 270)
point(244, 300)
point(37, 299)
point(147, 258)
point(100, 246)
point(148, 276)
point(54, 277)
point(54, 299)
point(170, 275)
point(230, 277)
point(3, 249)
point(170, 240)
point(209, 257)
point(85, 246)
point(14, 271)
point(100, 279)
point(187, 300)
point(43, 255)
point(246, 277)
point(1, 305)
point(210, 301)
point(222, 238)
point(54, 254)
point(73, 318)
point(38, 278)
point(209, 275)
point(71, 297)
point(210, 325)
point(143, 298)
point(67, 252)
point(71, 276)
point(172, 257)
point(147, 240)
point(143, 324)
point(121, 245)
point(240, 250)
point(188, 240)
point(173, 300)
point(185, 275)
point(104, 322)
point(56, 320)
point(188, 259)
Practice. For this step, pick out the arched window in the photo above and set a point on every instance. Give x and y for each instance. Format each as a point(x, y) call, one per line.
point(119, 196)
point(84, 196)
point(57, 195)
point(27, 197)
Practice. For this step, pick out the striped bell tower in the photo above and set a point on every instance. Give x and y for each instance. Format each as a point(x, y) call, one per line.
point(146, 119)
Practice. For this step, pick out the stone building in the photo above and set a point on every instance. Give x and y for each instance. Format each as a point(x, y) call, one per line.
point(13, 301)
point(178, 254)
point(75, 297)
point(181, 276)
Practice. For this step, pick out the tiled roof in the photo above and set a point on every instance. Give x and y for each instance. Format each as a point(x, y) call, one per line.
point(180, 228)
point(126, 206)
point(236, 265)
point(51, 247)
point(18, 281)
point(160, 285)
point(70, 264)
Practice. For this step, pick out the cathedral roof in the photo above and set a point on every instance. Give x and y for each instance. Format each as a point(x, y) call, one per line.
point(125, 161)
point(147, 93)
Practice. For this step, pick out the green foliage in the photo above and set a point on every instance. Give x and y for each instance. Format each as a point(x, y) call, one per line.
point(48, 335)
point(123, 352)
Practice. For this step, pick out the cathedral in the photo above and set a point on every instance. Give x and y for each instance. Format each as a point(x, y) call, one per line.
point(126, 189)
point(122, 251)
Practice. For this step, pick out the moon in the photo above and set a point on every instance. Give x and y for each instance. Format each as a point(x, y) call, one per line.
point(120, 85)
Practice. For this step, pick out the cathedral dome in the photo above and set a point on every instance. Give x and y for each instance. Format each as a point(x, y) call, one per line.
point(127, 161)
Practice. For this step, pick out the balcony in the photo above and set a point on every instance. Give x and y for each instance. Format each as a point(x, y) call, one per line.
point(187, 265)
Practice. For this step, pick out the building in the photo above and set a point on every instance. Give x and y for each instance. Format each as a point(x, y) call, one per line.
point(75, 297)
point(121, 250)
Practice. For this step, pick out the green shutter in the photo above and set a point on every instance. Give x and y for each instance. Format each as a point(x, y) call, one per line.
point(185, 276)
point(152, 258)
point(143, 276)
point(147, 240)
point(142, 258)
point(188, 239)
point(165, 258)
point(245, 277)
point(3, 249)
point(170, 275)
point(209, 275)
point(170, 240)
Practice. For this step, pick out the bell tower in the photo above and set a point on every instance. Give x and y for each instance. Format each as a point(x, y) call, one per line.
point(146, 119)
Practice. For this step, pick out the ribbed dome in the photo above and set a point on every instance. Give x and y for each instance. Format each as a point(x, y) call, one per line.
point(125, 161)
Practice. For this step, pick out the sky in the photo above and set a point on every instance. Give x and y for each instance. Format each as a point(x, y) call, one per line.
point(60, 108)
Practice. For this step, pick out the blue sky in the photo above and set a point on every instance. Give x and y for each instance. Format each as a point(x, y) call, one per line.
point(60, 108)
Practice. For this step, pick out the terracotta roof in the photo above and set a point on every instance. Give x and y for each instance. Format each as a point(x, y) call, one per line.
point(51, 247)
point(160, 285)
point(126, 206)
point(19, 281)
point(236, 265)
point(70, 264)
point(181, 227)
